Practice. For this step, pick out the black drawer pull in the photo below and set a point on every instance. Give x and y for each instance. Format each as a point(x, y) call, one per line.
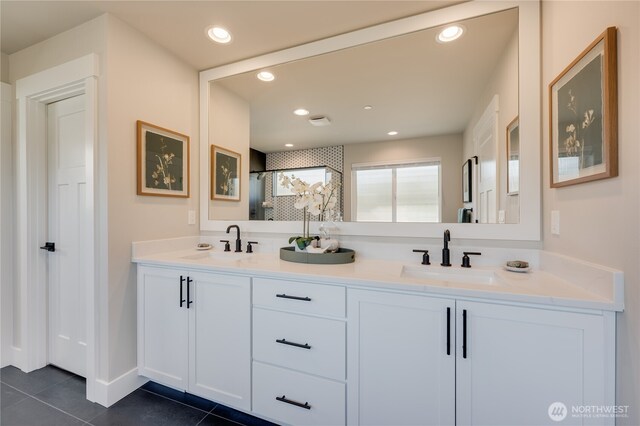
point(283, 398)
point(297, 345)
point(284, 296)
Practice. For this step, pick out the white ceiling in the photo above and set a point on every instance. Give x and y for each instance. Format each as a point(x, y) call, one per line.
point(258, 27)
point(441, 106)
point(417, 87)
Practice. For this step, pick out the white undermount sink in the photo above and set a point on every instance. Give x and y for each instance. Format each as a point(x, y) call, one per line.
point(228, 256)
point(450, 274)
point(217, 256)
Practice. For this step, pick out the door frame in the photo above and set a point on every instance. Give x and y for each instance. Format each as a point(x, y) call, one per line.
point(33, 93)
point(488, 120)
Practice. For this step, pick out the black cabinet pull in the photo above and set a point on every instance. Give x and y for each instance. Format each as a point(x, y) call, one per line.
point(283, 398)
point(285, 296)
point(297, 345)
point(181, 282)
point(448, 331)
point(464, 333)
point(189, 301)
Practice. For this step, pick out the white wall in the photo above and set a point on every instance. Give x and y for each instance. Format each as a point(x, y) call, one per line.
point(7, 245)
point(82, 40)
point(145, 82)
point(4, 67)
point(446, 147)
point(139, 81)
point(504, 83)
point(599, 220)
point(229, 121)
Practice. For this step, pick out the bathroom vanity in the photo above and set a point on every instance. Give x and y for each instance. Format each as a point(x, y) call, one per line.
point(378, 341)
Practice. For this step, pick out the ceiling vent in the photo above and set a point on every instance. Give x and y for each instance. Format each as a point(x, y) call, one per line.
point(319, 120)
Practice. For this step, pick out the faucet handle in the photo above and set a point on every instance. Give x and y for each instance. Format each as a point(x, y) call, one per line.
point(466, 262)
point(249, 247)
point(227, 246)
point(425, 256)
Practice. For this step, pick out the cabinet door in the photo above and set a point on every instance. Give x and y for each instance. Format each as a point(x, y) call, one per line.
point(220, 339)
point(398, 369)
point(163, 338)
point(521, 360)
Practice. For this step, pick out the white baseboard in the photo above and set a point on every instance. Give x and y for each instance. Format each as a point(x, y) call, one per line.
point(108, 393)
point(13, 356)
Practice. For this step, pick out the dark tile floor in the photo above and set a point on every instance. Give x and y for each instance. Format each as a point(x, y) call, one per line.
point(54, 397)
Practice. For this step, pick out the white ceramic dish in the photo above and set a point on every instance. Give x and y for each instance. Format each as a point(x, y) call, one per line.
point(514, 269)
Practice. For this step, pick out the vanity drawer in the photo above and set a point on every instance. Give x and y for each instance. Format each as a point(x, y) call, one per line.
point(309, 344)
point(299, 297)
point(324, 399)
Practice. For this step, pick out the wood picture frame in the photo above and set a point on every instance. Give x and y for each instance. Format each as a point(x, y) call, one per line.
point(513, 157)
point(163, 162)
point(226, 169)
point(583, 115)
point(467, 180)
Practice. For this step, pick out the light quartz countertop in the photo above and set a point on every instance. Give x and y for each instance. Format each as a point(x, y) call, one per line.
point(537, 286)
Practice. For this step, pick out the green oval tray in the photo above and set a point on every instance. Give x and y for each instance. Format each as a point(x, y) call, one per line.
point(343, 255)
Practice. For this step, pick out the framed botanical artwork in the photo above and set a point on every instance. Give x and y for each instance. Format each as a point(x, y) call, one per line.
point(513, 157)
point(583, 114)
point(163, 161)
point(466, 181)
point(225, 174)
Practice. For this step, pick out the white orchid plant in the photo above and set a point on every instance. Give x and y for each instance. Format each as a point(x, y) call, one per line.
point(318, 199)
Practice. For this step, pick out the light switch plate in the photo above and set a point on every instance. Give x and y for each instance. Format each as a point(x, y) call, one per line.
point(555, 222)
point(192, 217)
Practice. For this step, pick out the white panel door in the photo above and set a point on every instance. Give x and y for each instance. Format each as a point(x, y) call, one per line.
point(163, 321)
point(518, 361)
point(220, 338)
point(401, 360)
point(67, 227)
point(485, 135)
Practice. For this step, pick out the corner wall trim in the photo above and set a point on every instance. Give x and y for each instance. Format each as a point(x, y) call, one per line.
point(108, 393)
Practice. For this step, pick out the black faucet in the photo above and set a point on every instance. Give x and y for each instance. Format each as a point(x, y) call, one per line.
point(238, 241)
point(445, 250)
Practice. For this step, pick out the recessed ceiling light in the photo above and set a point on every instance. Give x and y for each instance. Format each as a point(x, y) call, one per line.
point(266, 76)
point(301, 111)
point(392, 133)
point(368, 107)
point(450, 33)
point(288, 145)
point(219, 34)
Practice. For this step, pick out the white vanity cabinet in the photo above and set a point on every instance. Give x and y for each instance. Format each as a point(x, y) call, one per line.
point(299, 344)
point(194, 332)
point(401, 360)
point(506, 364)
point(519, 360)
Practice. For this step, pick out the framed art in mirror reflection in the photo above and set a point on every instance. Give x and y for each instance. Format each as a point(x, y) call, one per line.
point(225, 174)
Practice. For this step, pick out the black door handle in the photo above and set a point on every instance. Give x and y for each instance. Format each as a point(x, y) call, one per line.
point(189, 301)
point(448, 331)
point(464, 333)
point(181, 282)
point(48, 246)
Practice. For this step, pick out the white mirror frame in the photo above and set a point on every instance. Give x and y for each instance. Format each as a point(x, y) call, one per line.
point(529, 103)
